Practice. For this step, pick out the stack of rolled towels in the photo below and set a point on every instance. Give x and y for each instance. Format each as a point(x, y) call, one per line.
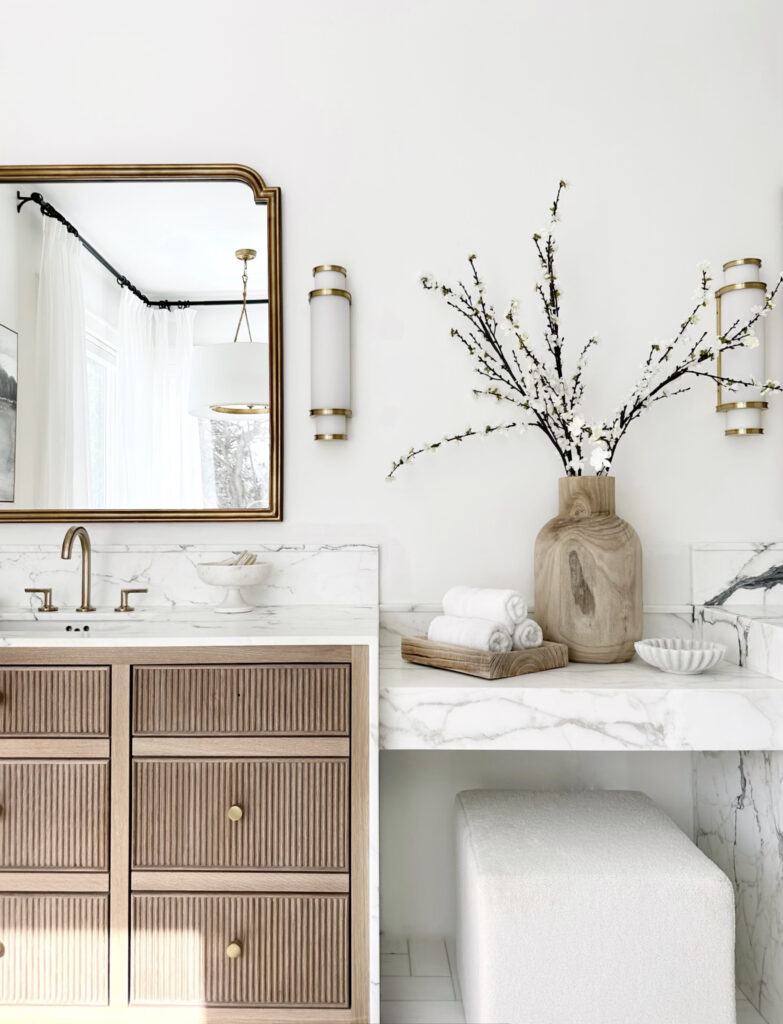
point(486, 620)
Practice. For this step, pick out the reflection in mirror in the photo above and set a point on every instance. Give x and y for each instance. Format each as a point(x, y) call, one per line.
point(143, 372)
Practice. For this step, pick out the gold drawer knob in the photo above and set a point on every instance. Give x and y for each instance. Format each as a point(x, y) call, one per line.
point(2, 949)
point(235, 812)
point(233, 950)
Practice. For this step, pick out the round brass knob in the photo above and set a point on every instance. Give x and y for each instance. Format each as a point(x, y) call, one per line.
point(233, 950)
point(2, 949)
point(235, 812)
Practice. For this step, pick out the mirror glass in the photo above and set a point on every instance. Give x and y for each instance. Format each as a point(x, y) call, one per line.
point(110, 291)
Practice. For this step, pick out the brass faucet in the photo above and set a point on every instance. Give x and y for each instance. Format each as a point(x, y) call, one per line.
point(84, 537)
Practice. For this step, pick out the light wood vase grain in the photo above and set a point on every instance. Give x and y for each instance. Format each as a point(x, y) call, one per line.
point(588, 574)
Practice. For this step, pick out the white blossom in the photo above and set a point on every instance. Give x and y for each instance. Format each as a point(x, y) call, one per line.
point(543, 383)
point(599, 458)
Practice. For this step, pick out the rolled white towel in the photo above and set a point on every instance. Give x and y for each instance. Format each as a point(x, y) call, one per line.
point(504, 606)
point(479, 634)
point(527, 634)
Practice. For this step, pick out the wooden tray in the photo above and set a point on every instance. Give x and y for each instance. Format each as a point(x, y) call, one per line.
point(484, 664)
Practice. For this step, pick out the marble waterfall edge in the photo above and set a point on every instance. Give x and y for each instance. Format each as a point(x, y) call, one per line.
point(738, 800)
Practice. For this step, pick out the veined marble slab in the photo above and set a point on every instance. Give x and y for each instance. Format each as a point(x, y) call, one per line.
point(738, 803)
point(581, 707)
point(301, 574)
point(717, 568)
point(753, 637)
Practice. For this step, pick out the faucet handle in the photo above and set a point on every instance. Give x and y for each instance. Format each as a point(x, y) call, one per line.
point(47, 605)
point(124, 606)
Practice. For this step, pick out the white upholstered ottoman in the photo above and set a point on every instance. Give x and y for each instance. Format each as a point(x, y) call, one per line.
point(588, 908)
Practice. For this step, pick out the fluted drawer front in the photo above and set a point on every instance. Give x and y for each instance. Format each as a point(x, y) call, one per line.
point(54, 702)
point(54, 815)
point(293, 814)
point(55, 950)
point(285, 950)
point(242, 700)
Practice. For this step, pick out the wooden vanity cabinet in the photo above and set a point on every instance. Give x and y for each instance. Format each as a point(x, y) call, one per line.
point(183, 835)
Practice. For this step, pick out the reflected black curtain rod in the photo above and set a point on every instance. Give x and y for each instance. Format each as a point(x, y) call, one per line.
point(49, 211)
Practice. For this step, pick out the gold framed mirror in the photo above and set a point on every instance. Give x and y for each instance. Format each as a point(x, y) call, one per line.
point(140, 344)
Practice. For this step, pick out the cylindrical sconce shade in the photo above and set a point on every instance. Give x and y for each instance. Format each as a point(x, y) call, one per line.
point(229, 379)
point(330, 353)
point(741, 291)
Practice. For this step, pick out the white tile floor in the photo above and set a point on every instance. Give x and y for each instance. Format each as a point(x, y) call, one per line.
point(419, 984)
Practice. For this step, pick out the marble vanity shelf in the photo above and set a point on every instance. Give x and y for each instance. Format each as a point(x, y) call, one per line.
point(286, 624)
point(581, 707)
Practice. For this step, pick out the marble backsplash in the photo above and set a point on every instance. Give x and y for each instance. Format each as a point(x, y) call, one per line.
point(300, 574)
point(398, 621)
point(753, 638)
point(718, 572)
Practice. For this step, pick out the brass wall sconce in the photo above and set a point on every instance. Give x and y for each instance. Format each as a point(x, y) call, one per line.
point(330, 353)
point(741, 290)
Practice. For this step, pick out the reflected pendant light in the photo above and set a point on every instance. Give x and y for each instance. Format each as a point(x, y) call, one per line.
point(231, 379)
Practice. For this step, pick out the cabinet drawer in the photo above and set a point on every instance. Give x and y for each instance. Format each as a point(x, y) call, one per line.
point(54, 950)
point(54, 815)
point(54, 702)
point(292, 950)
point(242, 700)
point(294, 814)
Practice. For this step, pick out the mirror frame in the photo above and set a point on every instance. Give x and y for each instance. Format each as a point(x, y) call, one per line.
point(262, 194)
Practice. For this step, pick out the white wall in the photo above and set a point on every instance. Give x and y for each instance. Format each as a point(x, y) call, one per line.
point(417, 814)
point(405, 135)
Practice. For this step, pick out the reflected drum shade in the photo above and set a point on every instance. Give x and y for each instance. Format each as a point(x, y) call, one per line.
point(229, 379)
point(330, 353)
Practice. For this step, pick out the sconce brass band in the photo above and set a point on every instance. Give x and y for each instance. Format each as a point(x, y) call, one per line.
point(738, 263)
point(741, 431)
point(340, 270)
point(331, 437)
point(740, 284)
point(728, 406)
point(240, 410)
point(330, 291)
point(331, 412)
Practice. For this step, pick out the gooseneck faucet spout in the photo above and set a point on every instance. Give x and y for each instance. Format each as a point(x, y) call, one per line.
point(84, 537)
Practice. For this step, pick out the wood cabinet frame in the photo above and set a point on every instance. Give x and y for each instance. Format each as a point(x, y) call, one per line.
point(121, 748)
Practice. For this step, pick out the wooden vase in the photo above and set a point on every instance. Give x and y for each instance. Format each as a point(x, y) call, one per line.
point(588, 574)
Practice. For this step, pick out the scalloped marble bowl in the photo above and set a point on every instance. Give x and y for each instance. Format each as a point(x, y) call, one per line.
point(681, 657)
point(232, 578)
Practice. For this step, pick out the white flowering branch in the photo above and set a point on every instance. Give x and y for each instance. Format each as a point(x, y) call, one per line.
point(549, 398)
point(411, 454)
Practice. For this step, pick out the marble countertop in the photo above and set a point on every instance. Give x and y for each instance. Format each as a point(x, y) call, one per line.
point(288, 624)
point(581, 707)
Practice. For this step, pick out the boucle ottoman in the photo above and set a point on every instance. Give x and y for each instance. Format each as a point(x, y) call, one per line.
point(588, 908)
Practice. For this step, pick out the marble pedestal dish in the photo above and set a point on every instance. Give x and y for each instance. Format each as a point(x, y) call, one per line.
point(232, 578)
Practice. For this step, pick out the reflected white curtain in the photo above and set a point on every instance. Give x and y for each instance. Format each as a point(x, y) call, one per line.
point(157, 461)
point(62, 466)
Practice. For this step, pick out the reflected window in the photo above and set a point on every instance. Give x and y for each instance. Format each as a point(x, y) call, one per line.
point(101, 404)
point(235, 461)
